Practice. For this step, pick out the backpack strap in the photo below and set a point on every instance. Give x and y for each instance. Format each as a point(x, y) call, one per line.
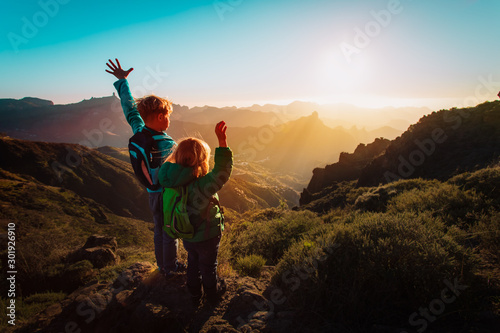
point(140, 145)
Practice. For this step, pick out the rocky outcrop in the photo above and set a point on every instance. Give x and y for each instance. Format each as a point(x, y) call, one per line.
point(141, 300)
point(349, 167)
point(99, 250)
point(440, 146)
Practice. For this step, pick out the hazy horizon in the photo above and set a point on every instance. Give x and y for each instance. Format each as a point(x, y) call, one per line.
point(242, 105)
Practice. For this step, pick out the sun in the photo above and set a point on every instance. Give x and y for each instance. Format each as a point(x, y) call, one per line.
point(339, 79)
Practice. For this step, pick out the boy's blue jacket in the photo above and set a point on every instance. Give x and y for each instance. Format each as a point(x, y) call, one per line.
point(137, 123)
point(200, 190)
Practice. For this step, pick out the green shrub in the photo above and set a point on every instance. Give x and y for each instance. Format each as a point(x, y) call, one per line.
point(250, 265)
point(374, 269)
point(375, 199)
point(487, 230)
point(337, 195)
point(48, 297)
point(447, 201)
point(264, 214)
point(27, 307)
point(271, 238)
point(485, 181)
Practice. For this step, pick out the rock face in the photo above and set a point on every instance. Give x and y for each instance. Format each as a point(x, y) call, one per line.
point(349, 167)
point(439, 146)
point(99, 250)
point(101, 241)
point(141, 300)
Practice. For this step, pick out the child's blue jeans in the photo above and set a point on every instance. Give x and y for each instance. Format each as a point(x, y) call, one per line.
point(165, 246)
point(202, 264)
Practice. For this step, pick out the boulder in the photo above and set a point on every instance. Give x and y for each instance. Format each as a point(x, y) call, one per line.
point(99, 250)
point(101, 241)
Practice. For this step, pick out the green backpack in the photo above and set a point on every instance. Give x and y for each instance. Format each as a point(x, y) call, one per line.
point(176, 221)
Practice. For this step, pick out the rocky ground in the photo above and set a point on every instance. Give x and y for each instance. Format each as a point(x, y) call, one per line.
point(141, 300)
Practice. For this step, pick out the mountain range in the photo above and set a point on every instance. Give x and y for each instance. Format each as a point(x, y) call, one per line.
point(271, 133)
point(439, 146)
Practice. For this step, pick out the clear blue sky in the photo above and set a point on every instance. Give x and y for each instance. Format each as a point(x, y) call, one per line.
point(240, 52)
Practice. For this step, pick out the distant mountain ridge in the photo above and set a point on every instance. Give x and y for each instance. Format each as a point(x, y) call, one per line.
point(439, 146)
point(103, 115)
point(10, 103)
point(347, 115)
point(274, 138)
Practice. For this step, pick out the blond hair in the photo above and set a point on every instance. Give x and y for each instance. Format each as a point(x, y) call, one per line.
point(192, 153)
point(152, 105)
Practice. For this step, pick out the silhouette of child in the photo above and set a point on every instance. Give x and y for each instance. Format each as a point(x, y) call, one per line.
point(152, 114)
point(188, 166)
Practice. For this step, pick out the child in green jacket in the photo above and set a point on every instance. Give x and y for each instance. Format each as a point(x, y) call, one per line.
point(189, 166)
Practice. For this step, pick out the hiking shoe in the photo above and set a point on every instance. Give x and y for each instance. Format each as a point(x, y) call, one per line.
point(196, 294)
point(214, 294)
point(179, 268)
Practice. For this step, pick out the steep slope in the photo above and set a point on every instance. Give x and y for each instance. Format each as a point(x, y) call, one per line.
point(50, 222)
point(440, 145)
point(105, 176)
point(348, 168)
point(88, 173)
point(253, 186)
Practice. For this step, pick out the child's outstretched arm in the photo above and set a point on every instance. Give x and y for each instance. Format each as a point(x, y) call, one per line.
point(128, 103)
point(213, 181)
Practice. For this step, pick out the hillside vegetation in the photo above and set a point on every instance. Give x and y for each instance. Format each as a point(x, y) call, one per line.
point(389, 252)
point(383, 253)
point(439, 146)
point(416, 254)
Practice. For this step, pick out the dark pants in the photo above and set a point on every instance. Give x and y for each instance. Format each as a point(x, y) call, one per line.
point(202, 265)
point(165, 246)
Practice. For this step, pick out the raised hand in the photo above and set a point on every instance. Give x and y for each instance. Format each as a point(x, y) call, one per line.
point(220, 131)
point(117, 70)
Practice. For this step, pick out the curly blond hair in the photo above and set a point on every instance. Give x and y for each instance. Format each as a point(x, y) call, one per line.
point(192, 153)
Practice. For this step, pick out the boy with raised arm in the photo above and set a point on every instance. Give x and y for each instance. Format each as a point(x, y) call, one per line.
point(150, 115)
